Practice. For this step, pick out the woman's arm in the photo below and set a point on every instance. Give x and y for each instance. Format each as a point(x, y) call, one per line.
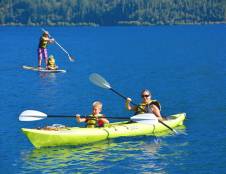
point(128, 106)
point(156, 111)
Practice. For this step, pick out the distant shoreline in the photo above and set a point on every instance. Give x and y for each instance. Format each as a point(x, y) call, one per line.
point(121, 23)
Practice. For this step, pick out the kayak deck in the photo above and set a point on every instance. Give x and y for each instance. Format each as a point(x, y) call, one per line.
point(43, 69)
point(76, 136)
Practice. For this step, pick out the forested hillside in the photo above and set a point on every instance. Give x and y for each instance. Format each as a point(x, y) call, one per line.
point(111, 12)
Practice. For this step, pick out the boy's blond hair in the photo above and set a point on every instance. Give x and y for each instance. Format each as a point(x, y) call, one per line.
point(97, 103)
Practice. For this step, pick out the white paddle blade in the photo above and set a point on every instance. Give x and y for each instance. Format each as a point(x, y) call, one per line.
point(99, 81)
point(146, 118)
point(32, 115)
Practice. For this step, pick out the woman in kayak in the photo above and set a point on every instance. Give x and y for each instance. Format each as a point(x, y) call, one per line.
point(146, 106)
point(96, 119)
point(51, 63)
point(42, 48)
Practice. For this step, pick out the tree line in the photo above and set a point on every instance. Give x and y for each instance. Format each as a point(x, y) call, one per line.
point(111, 12)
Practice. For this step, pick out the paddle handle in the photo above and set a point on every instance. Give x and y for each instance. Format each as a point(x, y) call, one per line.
point(126, 99)
point(70, 116)
point(168, 126)
point(116, 92)
point(60, 116)
point(62, 48)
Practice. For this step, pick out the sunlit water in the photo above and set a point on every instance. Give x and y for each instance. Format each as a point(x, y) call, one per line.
point(183, 66)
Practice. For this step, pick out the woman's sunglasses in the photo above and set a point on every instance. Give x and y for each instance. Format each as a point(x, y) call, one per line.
point(145, 96)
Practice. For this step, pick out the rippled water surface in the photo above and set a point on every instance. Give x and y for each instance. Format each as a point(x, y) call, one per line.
point(183, 66)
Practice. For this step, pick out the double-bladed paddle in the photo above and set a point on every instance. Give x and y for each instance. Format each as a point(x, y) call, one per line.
point(101, 82)
point(33, 115)
point(71, 58)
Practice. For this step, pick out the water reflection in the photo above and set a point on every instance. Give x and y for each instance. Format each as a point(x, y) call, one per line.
point(48, 86)
point(181, 130)
point(85, 159)
point(134, 154)
point(48, 76)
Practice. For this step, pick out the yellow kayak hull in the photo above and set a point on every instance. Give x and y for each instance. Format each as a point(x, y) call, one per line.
point(72, 136)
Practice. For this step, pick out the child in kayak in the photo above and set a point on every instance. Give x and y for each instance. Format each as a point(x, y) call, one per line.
point(146, 106)
point(51, 63)
point(42, 48)
point(96, 119)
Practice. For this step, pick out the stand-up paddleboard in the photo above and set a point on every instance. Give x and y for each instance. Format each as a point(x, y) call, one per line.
point(32, 68)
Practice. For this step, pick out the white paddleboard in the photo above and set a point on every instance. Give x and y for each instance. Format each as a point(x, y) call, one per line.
point(32, 68)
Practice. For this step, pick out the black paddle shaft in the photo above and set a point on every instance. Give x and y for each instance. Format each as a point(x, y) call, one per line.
point(125, 98)
point(70, 116)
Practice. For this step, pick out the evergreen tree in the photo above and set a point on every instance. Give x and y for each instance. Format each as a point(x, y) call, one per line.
point(111, 12)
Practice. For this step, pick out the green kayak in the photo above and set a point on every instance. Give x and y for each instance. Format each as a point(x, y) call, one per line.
point(72, 136)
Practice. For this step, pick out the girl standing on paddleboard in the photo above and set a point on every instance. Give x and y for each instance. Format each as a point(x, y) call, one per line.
point(42, 48)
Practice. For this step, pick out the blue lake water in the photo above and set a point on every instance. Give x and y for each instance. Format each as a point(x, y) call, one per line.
point(183, 66)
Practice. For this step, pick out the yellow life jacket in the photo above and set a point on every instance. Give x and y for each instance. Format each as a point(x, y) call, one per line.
point(92, 121)
point(43, 42)
point(51, 63)
point(146, 107)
